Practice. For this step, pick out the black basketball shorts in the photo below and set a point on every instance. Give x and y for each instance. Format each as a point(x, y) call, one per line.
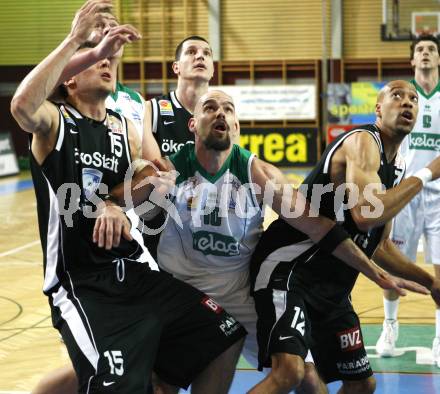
point(287, 323)
point(118, 328)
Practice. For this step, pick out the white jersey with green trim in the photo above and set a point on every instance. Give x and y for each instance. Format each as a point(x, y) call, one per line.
point(220, 215)
point(129, 103)
point(422, 145)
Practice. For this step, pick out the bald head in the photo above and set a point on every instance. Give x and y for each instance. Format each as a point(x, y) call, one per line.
point(395, 85)
point(213, 95)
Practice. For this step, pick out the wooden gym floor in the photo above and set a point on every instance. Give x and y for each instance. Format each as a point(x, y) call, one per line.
point(30, 347)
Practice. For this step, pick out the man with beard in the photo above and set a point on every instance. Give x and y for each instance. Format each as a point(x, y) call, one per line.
point(216, 212)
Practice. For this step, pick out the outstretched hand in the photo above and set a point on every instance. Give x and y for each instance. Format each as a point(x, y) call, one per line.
point(112, 43)
point(87, 17)
point(389, 282)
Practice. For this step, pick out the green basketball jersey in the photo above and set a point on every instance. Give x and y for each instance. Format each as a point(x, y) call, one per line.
point(127, 102)
point(222, 220)
point(422, 145)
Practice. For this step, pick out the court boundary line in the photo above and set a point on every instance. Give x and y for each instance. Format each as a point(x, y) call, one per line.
point(18, 249)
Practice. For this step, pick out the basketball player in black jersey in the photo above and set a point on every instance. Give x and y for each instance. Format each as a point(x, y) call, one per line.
point(302, 293)
point(118, 317)
point(165, 130)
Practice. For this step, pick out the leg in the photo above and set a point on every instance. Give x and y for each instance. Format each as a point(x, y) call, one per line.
point(363, 386)
point(432, 255)
point(436, 341)
point(312, 383)
point(287, 374)
point(61, 381)
point(160, 387)
point(386, 343)
point(406, 232)
point(218, 375)
point(282, 332)
point(200, 343)
point(339, 353)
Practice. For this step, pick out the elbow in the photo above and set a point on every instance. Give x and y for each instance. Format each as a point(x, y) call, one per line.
point(363, 223)
point(15, 106)
point(18, 104)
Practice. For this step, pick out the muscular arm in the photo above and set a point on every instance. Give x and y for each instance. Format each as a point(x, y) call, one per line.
point(362, 163)
point(287, 199)
point(390, 258)
point(29, 106)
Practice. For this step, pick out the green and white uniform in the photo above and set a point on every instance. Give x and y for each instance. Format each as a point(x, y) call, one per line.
point(421, 216)
point(222, 223)
point(127, 102)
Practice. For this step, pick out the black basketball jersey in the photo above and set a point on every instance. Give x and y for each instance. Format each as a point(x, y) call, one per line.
point(89, 159)
point(170, 123)
point(286, 258)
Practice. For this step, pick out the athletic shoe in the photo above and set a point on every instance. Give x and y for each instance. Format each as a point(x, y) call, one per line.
point(436, 351)
point(386, 345)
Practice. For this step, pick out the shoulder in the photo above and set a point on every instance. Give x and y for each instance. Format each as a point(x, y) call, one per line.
point(363, 143)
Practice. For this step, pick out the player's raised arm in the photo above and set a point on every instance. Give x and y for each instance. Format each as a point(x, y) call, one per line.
point(29, 106)
point(362, 164)
point(321, 230)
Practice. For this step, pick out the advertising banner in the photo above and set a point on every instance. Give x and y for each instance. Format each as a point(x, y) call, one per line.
point(352, 103)
point(273, 102)
point(336, 130)
point(282, 146)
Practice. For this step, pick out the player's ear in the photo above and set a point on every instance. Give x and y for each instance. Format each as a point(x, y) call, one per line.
point(235, 134)
point(192, 125)
point(413, 63)
point(378, 110)
point(175, 67)
point(70, 83)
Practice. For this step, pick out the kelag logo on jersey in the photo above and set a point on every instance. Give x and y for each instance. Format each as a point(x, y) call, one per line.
point(91, 178)
point(215, 244)
point(424, 141)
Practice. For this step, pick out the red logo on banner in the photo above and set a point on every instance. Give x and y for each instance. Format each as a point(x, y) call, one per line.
point(336, 130)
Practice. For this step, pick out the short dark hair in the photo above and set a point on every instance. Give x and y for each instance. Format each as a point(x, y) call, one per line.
point(179, 47)
point(424, 37)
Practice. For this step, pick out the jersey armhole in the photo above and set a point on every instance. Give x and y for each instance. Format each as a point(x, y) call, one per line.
point(251, 183)
point(154, 115)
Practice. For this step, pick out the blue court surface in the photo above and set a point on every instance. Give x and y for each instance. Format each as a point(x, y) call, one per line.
point(412, 372)
point(387, 383)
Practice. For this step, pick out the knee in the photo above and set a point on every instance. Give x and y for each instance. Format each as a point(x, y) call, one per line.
point(365, 386)
point(288, 373)
point(312, 383)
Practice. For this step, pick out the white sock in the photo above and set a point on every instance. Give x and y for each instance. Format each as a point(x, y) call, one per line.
point(391, 308)
point(437, 323)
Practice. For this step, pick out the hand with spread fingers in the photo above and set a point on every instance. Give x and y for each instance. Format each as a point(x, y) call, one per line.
point(115, 39)
point(87, 17)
